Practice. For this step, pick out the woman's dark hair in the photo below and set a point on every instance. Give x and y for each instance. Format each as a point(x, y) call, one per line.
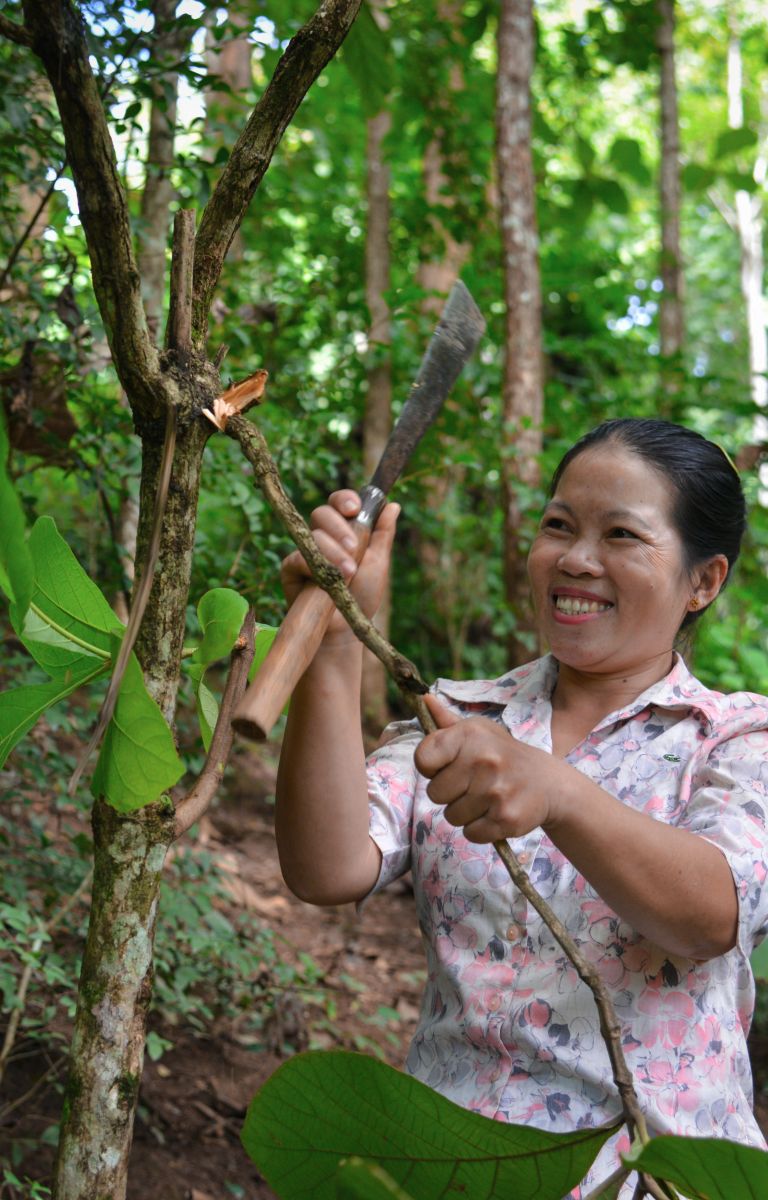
point(709, 512)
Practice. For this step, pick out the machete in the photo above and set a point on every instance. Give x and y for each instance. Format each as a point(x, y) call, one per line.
point(298, 638)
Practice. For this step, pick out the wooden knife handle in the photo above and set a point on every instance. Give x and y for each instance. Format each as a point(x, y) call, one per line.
point(297, 641)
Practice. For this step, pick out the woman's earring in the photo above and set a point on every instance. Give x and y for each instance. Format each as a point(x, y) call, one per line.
point(694, 603)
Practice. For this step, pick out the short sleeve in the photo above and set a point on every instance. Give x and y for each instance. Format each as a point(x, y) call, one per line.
point(729, 807)
point(392, 778)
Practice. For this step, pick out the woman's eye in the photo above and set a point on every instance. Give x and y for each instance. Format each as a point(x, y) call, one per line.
point(619, 532)
point(555, 523)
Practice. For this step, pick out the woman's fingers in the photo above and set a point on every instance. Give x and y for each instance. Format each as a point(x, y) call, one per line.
point(336, 535)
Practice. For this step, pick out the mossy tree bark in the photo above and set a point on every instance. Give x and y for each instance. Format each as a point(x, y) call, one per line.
point(115, 985)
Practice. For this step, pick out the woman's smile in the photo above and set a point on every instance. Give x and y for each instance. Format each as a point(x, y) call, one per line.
point(573, 606)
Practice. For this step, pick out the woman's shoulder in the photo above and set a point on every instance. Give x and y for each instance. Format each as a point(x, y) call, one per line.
point(727, 713)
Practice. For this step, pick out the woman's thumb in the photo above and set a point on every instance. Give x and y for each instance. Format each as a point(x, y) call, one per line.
point(442, 716)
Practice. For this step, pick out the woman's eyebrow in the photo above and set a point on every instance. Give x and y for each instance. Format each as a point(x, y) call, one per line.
point(627, 514)
point(613, 514)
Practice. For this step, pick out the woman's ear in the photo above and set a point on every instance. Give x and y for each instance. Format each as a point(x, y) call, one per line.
point(707, 580)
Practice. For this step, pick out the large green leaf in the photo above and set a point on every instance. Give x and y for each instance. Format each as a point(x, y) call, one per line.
point(69, 621)
point(16, 570)
point(138, 759)
point(325, 1106)
point(21, 708)
point(705, 1168)
point(221, 613)
point(360, 1180)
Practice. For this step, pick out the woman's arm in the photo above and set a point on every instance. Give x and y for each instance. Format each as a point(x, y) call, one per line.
point(321, 824)
point(674, 887)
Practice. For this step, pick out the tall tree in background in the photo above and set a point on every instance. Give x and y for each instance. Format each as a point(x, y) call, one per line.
point(170, 42)
point(442, 264)
point(377, 419)
point(522, 389)
point(748, 222)
point(671, 313)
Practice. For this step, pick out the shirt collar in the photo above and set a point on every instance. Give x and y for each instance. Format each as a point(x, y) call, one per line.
point(536, 680)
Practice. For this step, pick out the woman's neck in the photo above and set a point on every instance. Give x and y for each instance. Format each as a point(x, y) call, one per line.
point(594, 695)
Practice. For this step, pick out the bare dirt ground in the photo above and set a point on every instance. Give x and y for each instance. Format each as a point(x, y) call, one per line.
point(193, 1100)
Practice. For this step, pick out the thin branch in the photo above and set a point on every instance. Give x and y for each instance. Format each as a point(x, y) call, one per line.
point(140, 598)
point(618, 1176)
point(305, 57)
point(21, 1100)
point(609, 1022)
point(327, 576)
point(15, 33)
point(29, 969)
point(179, 332)
point(409, 681)
point(195, 803)
point(32, 222)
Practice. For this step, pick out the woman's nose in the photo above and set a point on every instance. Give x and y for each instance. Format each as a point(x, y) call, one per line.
point(580, 558)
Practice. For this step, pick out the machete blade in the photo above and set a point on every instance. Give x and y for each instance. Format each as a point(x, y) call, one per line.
point(459, 330)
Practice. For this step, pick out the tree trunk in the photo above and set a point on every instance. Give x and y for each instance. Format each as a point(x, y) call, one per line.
point(749, 227)
point(438, 274)
point(115, 991)
point(170, 43)
point(522, 388)
point(377, 421)
point(671, 314)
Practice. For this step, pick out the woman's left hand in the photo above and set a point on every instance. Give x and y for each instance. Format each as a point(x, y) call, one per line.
point(490, 783)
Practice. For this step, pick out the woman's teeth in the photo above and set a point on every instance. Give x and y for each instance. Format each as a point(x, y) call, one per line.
point(573, 606)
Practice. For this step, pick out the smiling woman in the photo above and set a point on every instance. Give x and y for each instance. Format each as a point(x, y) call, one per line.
point(635, 796)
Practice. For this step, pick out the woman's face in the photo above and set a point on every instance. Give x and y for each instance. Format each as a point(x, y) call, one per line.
point(607, 566)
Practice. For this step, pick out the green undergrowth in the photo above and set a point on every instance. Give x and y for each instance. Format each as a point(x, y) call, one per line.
point(215, 964)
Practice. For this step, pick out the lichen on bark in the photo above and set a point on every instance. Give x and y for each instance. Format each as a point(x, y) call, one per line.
point(116, 986)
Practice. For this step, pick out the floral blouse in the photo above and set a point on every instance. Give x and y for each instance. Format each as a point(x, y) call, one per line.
point(507, 1029)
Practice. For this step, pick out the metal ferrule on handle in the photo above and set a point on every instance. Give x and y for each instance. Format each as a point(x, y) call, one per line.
point(373, 502)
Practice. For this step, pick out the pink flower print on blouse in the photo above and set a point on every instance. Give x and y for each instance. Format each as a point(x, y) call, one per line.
point(669, 1016)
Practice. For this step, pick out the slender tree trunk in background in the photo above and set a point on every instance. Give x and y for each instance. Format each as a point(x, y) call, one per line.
point(749, 228)
point(378, 405)
point(171, 41)
point(438, 273)
point(671, 313)
point(522, 388)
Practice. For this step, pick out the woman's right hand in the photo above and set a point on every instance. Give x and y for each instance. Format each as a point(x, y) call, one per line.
point(334, 531)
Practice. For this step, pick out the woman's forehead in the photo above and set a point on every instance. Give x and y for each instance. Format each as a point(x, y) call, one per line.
point(615, 480)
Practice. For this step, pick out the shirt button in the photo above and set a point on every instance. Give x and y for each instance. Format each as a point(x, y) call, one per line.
point(513, 933)
point(524, 857)
point(495, 1002)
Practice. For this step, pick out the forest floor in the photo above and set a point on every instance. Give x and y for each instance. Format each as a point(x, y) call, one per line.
point(194, 1098)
